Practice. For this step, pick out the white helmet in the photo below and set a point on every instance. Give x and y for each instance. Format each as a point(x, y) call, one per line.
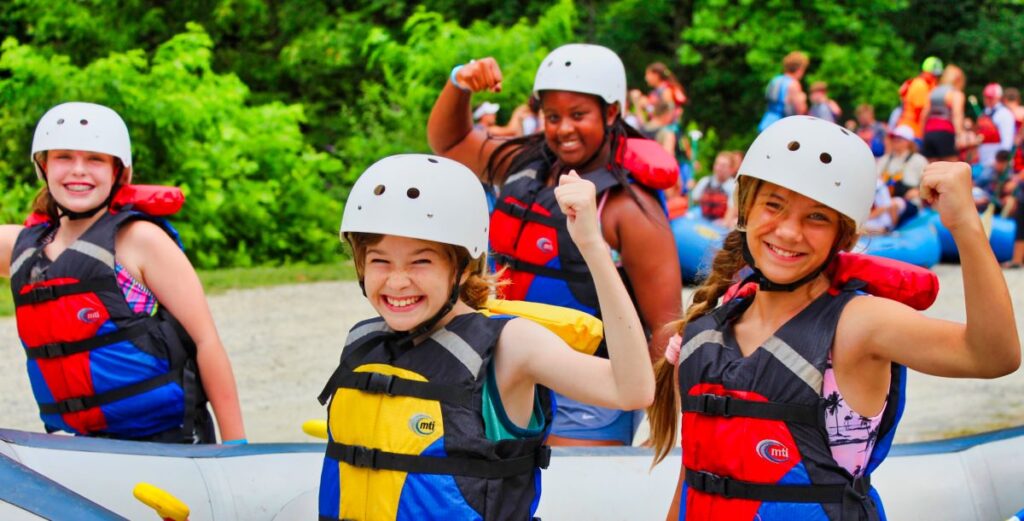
point(584, 68)
point(422, 197)
point(83, 126)
point(817, 159)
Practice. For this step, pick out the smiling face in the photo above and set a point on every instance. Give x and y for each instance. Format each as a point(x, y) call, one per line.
point(79, 180)
point(407, 280)
point(789, 235)
point(574, 126)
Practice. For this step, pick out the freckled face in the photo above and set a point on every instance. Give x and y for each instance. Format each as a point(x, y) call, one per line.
point(79, 180)
point(407, 280)
point(789, 235)
point(574, 125)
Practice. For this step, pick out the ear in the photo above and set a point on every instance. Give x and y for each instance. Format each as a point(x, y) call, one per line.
point(612, 113)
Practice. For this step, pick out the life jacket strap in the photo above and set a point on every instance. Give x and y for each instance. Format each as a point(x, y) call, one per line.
point(365, 457)
point(58, 350)
point(727, 406)
point(709, 483)
point(526, 214)
point(379, 383)
point(40, 294)
point(544, 271)
point(82, 403)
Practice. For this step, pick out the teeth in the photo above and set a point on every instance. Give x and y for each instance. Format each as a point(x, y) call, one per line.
point(784, 253)
point(78, 188)
point(402, 302)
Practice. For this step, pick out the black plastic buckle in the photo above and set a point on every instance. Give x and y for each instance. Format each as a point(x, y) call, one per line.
point(71, 405)
point(50, 350)
point(380, 383)
point(44, 293)
point(711, 483)
point(363, 457)
point(543, 456)
point(715, 405)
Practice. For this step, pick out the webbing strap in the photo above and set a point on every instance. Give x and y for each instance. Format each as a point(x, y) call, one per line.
point(364, 457)
point(57, 350)
point(726, 406)
point(48, 293)
point(88, 402)
point(733, 488)
point(544, 271)
point(391, 385)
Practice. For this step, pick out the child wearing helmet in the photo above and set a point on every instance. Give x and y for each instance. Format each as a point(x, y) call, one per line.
point(119, 339)
point(765, 380)
point(437, 411)
point(582, 90)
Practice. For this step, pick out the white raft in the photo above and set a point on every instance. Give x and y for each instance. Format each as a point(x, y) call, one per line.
point(60, 477)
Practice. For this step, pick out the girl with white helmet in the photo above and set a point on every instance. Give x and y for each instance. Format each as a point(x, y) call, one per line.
point(438, 411)
point(582, 90)
point(768, 380)
point(119, 339)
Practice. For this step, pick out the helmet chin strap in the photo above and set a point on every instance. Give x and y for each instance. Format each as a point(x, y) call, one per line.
point(766, 284)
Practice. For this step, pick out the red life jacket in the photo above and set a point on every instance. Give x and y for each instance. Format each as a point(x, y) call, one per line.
point(152, 200)
point(713, 202)
point(530, 240)
point(754, 439)
point(97, 366)
point(986, 128)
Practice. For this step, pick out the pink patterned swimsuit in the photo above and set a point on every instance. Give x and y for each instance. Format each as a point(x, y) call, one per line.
point(138, 296)
point(851, 436)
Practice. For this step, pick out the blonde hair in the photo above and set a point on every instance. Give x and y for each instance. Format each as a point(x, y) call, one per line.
point(474, 291)
point(795, 61)
point(663, 414)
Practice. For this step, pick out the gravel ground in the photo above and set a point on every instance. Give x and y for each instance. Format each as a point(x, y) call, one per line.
point(284, 343)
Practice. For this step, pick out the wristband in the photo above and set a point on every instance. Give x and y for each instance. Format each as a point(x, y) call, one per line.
point(455, 82)
point(240, 441)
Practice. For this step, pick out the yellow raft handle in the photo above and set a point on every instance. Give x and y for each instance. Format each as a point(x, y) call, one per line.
point(582, 331)
point(166, 505)
point(315, 428)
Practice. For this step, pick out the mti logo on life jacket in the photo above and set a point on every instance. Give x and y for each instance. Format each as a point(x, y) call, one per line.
point(545, 245)
point(88, 315)
point(773, 451)
point(422, 424)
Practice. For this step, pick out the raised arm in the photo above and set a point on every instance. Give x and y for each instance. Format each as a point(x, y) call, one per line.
point(450, 131)
point(166, 271)
point(987, 346)
point(625, 380)
point(8, 235)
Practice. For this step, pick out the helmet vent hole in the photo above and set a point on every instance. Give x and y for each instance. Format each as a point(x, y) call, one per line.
point(360, 207)
point(793, 145)
point(845, 132)
point(413, 193)
point(568, 64)
point(378, 190)
point(84, 122)
point(825, 158)
point(60, 121)
point(432, 160)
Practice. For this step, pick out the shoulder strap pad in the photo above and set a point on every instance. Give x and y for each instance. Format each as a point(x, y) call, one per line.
point(649, 163)
point(912, 285)
point(158, 201)
point(583, 332)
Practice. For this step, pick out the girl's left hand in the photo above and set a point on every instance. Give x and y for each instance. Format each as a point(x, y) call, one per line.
point(946, 186)
point(577, 199)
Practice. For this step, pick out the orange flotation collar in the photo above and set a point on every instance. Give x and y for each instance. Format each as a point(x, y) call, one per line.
point(648, 163)
point(154, 200)
point(912, 285)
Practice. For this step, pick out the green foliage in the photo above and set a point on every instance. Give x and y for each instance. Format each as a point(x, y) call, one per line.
point(255, 190)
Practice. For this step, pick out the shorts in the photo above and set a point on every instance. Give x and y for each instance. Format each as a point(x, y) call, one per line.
point(590, 422)
point(939, 143)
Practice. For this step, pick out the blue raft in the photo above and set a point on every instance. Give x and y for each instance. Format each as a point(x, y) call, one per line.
point(916, 242)
point(1001, 238)
point(697, 240)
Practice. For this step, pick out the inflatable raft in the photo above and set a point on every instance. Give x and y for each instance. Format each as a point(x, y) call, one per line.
point(916, 242)
point(1001, 237)
point(60, 477)
point(697, 240)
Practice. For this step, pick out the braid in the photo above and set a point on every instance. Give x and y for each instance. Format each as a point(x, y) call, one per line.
point(663, 414)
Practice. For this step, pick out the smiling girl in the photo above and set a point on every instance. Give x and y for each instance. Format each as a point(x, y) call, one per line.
point(438, 412)
point(582, 90)
point(118, 335)
point(766, 381)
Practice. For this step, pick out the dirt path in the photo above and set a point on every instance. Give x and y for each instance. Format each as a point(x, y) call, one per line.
point(284, 342)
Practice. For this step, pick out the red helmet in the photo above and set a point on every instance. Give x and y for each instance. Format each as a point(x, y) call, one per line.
point(993, 90)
